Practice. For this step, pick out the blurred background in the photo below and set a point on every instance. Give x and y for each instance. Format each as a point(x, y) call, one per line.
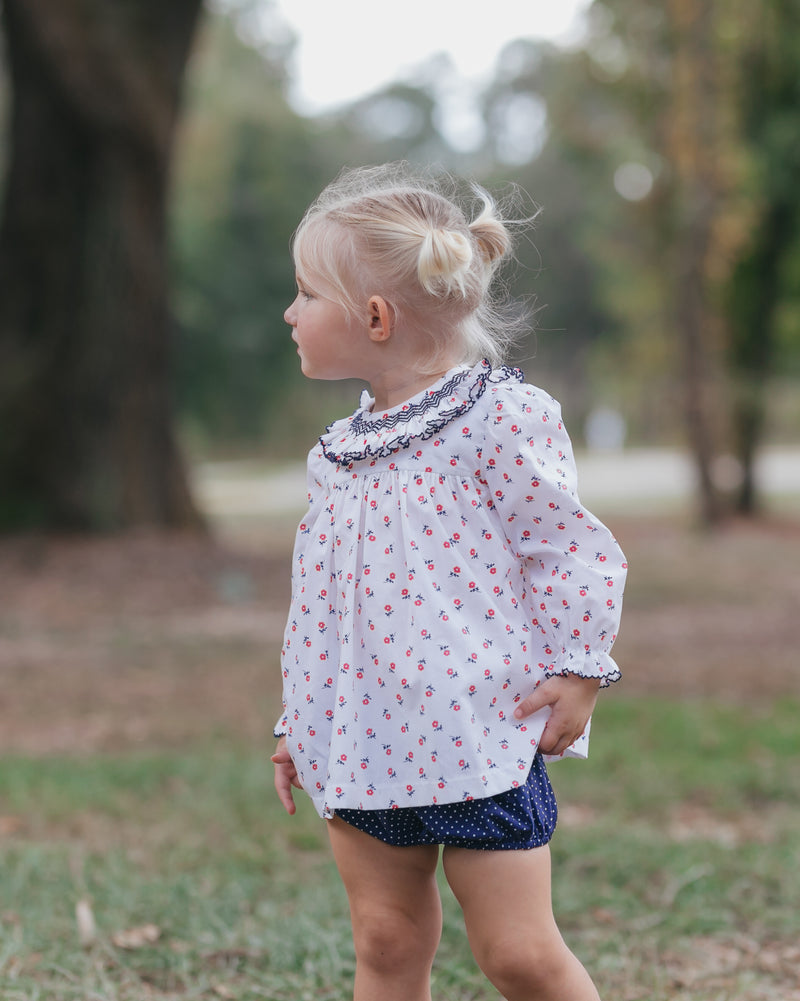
point(155, 164)
point(155, 159)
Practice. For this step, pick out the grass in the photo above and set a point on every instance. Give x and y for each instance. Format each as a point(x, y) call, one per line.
point(134, 777)
point(676, 869)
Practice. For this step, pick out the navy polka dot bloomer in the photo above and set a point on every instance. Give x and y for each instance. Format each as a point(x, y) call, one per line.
point(524, 817)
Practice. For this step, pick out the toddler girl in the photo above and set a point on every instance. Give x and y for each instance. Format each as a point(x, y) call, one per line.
point(453, 604)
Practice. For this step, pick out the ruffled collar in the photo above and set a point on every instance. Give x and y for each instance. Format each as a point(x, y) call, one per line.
point(367, 435)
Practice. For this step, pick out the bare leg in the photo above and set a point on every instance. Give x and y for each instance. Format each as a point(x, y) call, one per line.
point(505, 897)
point(395, 910)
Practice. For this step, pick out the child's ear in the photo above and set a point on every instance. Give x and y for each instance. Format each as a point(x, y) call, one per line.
point(381, 319)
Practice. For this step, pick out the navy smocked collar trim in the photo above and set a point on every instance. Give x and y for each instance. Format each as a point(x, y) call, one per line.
point(366, 435)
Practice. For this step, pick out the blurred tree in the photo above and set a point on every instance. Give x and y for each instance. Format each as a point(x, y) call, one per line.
point(693, 106)
point(692, 141)
point(560, 274)
point(246, 169)
point(655, 70)
point(403, 120)
point(248, 166)
point(767, 36)
point(86, 437)
point(640, 111)
point(3, 112)
point(395, 122)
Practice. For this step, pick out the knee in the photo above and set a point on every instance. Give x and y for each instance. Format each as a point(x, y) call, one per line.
point(391, 943)
point(520, 968)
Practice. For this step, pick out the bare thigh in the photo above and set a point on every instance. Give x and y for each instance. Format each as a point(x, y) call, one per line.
point(504, 895)
point(505, 898)
point(395, 910)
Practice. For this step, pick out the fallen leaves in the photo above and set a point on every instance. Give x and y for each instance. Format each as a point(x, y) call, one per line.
point(142, 936)
point(717, 962)
point(10, 825)
point(138, 937)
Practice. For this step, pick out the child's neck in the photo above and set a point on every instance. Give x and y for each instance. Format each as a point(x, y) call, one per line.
point(395, 386)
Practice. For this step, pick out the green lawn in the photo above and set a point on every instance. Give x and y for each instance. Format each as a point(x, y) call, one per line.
point(676, 868)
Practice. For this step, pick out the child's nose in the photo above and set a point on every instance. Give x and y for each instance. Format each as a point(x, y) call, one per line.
point(289, 315)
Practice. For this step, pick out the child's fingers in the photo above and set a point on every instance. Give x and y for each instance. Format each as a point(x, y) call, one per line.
point(558, 735)
point(572, 699)
point(283, 786)
point(287, 802)
point(542, 696)
point(285, 776)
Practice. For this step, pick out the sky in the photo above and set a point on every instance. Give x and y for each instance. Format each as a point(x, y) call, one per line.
point(349, 48)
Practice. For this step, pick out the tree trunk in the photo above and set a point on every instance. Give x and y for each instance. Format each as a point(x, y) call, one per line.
point(86, 437)
point(755, 298)
point(770, 113)
point(693, 148)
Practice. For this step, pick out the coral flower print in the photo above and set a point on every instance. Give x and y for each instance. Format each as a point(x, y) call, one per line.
point(543, 593)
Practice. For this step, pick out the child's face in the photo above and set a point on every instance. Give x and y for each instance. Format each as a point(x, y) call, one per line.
point(329, 344)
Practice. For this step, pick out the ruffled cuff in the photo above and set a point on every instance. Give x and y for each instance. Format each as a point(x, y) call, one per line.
point(586, 665)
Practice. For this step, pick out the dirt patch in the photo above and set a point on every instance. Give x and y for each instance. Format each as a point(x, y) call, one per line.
point(138, 640)
point(711, 614)
point(727, 967)
point(154, 640)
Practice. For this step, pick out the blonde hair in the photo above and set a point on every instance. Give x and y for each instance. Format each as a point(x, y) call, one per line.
point(387, 231)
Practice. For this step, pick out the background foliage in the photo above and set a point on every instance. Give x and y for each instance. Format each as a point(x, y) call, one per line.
point(663, 274)
point(602, 136)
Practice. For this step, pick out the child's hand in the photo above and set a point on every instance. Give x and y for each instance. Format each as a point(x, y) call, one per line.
point(572, 699)
point(285, 775)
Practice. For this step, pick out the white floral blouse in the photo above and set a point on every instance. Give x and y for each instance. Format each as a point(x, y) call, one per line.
point(445, 567)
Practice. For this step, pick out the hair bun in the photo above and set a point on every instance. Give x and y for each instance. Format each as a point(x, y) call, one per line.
point(490, 232)
point(445, 256)
point(405, 235)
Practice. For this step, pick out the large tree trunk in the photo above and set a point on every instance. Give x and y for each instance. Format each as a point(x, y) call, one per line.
point(86, 437)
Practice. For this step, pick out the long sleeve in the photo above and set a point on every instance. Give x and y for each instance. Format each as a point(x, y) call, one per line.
point(315, 491)
point(576, 571)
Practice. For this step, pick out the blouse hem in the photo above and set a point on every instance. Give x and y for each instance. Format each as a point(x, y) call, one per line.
point(498, 785)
